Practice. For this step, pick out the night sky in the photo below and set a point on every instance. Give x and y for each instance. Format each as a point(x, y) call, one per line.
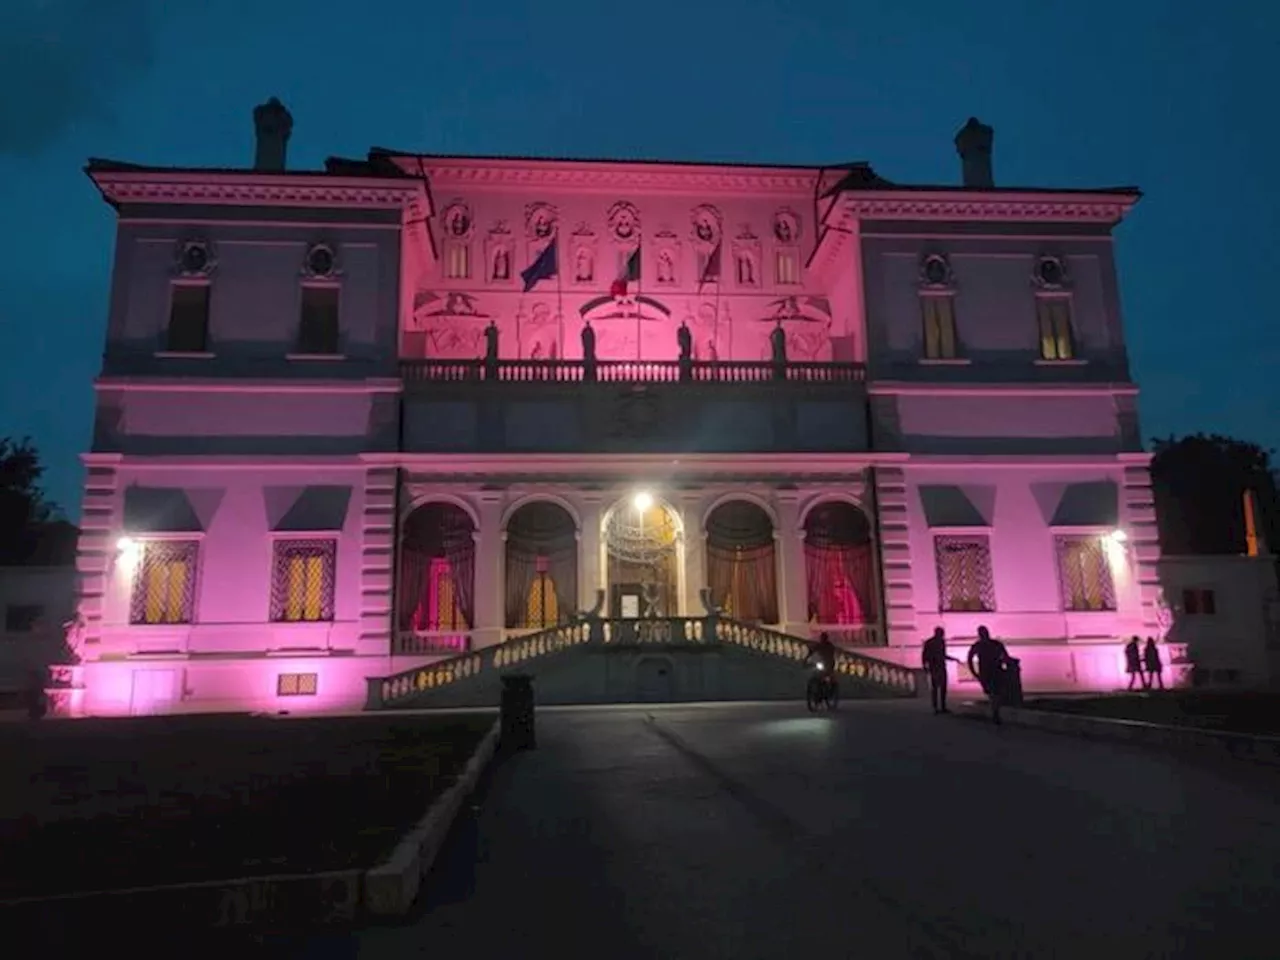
point(1175, 97)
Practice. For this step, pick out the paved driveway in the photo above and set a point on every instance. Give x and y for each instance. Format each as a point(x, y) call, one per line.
point(759, 831)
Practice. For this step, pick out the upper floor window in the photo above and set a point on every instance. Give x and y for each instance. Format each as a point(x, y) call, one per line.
point(965, 582)
point(188, 330)
point(318, 329)
point(1054, 317)
point(1084, 573)
point(458, 261)
point(1199, 601)
point(22, 617)
point(787, 266)
point(164, 582)
point(302, 580)
point(938, 312)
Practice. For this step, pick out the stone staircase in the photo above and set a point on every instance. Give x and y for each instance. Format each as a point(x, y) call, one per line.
point(669, 659)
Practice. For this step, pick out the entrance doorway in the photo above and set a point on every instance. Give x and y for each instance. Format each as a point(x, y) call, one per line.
point(641, 543)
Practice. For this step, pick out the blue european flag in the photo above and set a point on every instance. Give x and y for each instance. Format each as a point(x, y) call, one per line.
point(544, 268)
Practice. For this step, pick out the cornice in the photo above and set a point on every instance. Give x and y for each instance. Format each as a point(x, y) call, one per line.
point(621, 176)
point(250, 188)
point(1031, 206)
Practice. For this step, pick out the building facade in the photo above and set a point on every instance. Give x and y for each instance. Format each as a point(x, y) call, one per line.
point(352, 423)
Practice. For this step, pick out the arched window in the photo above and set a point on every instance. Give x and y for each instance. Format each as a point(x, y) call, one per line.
point(437, 569)
point(837, 560)
point(741, 569)
point(542, 567)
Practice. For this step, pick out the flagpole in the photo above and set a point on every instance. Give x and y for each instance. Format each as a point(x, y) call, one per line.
point(639, 275)
point(715, 326)
point(555, 238)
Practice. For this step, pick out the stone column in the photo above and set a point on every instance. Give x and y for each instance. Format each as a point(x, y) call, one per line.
point(590, 576)
point(793, 594)
point(491, 541)
point(693, 544)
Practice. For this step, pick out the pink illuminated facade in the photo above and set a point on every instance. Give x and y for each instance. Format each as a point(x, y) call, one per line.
point(354, 423)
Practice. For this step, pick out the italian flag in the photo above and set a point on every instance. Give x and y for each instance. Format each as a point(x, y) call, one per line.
point(628, 277)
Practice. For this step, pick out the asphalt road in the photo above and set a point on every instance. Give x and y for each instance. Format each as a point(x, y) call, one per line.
point(759, 831)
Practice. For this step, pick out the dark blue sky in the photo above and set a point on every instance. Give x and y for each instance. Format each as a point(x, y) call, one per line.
point(1176, 97)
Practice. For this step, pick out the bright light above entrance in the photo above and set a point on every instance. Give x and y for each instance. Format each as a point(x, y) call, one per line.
point(642, 501)
point(1117, 536)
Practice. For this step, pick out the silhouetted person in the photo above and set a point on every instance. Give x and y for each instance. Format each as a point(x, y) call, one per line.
point(1151, 660)
point(933, 657)
point(778, 347)
point(988, 660)
point(491, 351)
point(1133, 663)
point(684, 338)
point(37, 702)
point(824, 652)
point(588, 352)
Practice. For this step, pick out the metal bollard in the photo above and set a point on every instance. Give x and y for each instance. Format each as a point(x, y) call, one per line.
point(516, 712)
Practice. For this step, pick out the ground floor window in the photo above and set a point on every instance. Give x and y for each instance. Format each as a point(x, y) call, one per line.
point(1084, 574)
point(296, 684)
point(302, 581)
point(965, 582)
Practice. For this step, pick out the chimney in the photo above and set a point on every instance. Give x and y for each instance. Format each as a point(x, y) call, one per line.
point(973, 143)
point(272, 124)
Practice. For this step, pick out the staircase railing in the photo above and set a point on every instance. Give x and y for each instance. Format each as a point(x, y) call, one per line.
point(902, 680)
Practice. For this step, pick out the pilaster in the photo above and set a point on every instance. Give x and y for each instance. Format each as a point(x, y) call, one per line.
point(590, 576)
point(377, 558)
point(95, 550)
point(491, 541)
point(693, 548)
point(793, 595)
point(895, 555)
point(1138, 520)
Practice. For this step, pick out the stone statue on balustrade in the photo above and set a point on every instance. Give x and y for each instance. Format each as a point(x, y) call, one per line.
point(684, 337)
point(491, 351)
point(778, 347)
point(588, 352)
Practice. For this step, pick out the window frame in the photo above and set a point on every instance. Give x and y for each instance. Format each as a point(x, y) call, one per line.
point(300, 347)
point(1109, 588)
point(189, 283)
point(934, 299)
point(281, 541)
point(982, 534)
point(1047, 301)
point(298, 677)
point(144, 542)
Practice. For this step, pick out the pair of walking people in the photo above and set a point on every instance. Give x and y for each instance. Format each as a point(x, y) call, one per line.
point(988, 660)
point(1143, 666)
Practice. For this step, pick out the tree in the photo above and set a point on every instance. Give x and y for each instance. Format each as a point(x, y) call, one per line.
point(31, 530)
point(1199, 483)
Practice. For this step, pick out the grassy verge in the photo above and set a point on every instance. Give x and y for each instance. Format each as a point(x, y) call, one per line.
point(1253, 713)
point(109, 804)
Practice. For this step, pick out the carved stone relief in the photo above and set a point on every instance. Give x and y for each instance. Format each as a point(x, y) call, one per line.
point(667, 250)
point(453, 324)
point(746, 258)
point(624, 224)
point(786, 226)
point(457, 220)
point(583, 247)
point(706, 227)
point(500, 255)
point(538, 332)
point(540, 221)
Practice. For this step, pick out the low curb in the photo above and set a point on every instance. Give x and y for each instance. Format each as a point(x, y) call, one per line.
point(295, 899)
point(1240, 746)
point(391, 888)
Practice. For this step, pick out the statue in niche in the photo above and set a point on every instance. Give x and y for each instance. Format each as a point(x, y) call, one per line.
point(584, 269)
point(666, 268)
point(502, 265)
point(746, 271)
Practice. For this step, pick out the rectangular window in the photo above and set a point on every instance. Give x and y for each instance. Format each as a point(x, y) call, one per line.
point(1199, 601)
point(1085, 574)
point(188, 318)
point(965, 582)
point(787, 269)
point(318, 323)
point(939, 327)
point(1054, 314)
point(164, 582)
point(296, 684)
point(22, 617)
point(542, 607)
point(458, 262)
point(302, 583)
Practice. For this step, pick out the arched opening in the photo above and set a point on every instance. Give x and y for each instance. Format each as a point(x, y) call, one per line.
point(838, 560)
point(437, 570)
point(542, 567)
point(741, 566)
point(642, 559)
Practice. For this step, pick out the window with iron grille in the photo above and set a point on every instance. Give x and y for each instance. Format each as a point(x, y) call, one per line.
point(1054, 315)
point(296, 685)
point(964, 573)
point(318, 325)
point(188, 318)
point(302, 583)
point(1084, 574)
point(164, 582)
point(542, 607)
